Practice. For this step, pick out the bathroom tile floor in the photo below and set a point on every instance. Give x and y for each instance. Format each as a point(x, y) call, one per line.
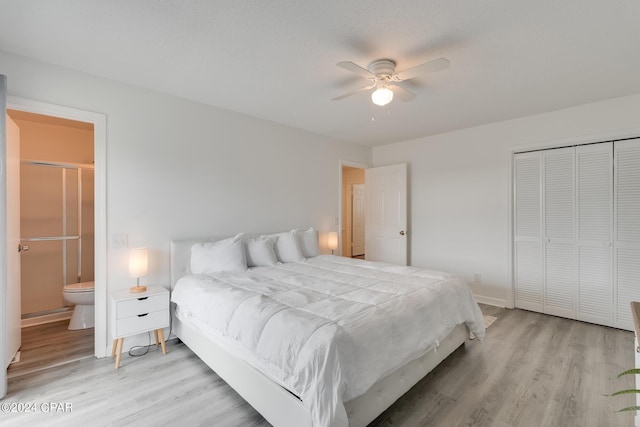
point(49, 345)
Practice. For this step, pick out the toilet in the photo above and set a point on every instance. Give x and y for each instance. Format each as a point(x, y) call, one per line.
point(82, 295)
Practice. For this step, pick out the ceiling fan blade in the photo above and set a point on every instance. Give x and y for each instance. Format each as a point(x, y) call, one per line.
point(402, 93)
point(427, 67)
point(346, 95)
point(355, 68)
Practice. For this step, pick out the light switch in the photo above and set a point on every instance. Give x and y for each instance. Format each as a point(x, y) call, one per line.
point(119, 241)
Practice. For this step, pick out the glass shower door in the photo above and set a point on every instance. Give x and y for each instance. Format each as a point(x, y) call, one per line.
point(51, 213)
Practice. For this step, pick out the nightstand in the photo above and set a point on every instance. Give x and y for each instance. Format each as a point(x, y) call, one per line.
point(135, 313)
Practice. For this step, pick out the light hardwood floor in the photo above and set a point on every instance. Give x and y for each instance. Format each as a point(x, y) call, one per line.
point(51, 344)
point(531, 370)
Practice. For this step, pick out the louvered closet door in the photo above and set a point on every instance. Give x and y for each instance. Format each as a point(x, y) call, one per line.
point(528, 272)
point(559, 236)
point(627, 229)
point(594, 193)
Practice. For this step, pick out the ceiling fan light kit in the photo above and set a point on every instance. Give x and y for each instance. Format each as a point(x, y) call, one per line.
point(382, 76)
point(382, 96)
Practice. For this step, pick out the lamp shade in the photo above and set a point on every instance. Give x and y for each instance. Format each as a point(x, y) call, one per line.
point(138, 262)
point(382, 96)
point(332, 240)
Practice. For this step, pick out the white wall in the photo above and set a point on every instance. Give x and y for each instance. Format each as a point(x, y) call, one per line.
point(179, 169)
point(459, 186)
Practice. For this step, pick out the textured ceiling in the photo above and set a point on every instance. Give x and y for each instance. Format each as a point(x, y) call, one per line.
point(276, 59)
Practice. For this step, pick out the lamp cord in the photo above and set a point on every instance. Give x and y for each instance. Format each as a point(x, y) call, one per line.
point(136, 347)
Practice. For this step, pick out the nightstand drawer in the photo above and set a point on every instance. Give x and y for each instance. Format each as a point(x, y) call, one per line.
point(133, 307)
point(138, 324)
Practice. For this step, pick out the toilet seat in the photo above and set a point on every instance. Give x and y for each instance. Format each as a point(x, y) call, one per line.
point(79, 287)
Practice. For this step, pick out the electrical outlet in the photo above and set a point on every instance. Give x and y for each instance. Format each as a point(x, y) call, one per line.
point(119, 241)
point(477, 278)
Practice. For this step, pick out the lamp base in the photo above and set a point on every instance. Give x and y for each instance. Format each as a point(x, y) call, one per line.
point(137, 289)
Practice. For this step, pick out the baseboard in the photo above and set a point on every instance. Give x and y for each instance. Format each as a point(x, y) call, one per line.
point(46, 318)
point(497, 302)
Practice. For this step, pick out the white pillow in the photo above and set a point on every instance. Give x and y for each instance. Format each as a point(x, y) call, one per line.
point(288, 247)
point(260, 251)
point(309, 242)
point(223, 255)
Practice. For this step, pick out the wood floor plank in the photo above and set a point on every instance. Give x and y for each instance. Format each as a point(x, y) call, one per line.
point(51, 344)
point(531, 370)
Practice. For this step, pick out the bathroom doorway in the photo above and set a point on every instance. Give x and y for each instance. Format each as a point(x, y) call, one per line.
point(57, 237)
point(353, 223)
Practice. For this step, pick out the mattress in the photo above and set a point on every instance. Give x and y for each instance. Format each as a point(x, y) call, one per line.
point(330, 327)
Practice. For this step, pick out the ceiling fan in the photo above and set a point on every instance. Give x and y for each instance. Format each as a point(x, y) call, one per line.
point(382, 76)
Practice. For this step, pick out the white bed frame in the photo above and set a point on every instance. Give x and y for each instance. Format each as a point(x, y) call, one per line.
point(272, 401)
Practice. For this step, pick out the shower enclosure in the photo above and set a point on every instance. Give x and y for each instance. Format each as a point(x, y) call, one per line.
point(57, 232)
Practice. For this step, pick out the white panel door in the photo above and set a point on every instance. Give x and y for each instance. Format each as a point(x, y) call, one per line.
point(528, 265)
point(13, 240)
point(3, 235)
point(386, 214)
point(594, 209)
point(559, 236)
point(357, 220)
point(627, 229)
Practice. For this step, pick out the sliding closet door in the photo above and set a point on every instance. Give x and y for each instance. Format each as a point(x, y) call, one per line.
point(528, 266)
point(627, 229)
point(594, 208)
point(559, 232)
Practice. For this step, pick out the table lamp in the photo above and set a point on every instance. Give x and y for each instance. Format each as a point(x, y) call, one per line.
point(138, 264)
point(332, 241)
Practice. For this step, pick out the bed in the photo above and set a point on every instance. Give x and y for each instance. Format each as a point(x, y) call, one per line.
point(353, 332)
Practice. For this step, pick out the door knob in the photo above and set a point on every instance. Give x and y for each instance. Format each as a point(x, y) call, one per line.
point(402, 232)
point(23, 248)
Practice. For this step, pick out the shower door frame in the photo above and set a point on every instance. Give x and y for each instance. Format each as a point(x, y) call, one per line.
point(99, 122)
point(64, 237)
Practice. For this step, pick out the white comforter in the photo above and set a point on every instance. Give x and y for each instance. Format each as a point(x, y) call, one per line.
point(330, 327)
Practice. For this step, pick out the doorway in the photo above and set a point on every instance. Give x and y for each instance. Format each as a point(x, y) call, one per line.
point(57, 237)
point(385, 208)
point(357, 221)
point(353, 212)
point(99, 121)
